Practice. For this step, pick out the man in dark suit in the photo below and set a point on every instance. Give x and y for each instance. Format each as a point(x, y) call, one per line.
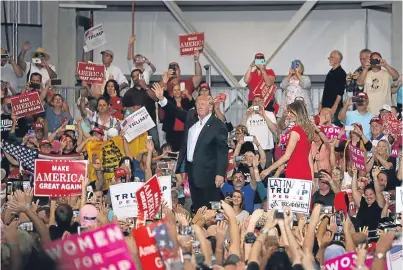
point(204, 150)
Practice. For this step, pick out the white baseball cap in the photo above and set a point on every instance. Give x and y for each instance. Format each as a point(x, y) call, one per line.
point(386, 107)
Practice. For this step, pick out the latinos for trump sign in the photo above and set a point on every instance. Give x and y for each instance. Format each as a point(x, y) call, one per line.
point(91, 73)
point(136, 124)
point(123, 197)
point(57, 178)
point(102, 248)
point(287, 192)
point(189, 44)
point(94, 37)
point(26, 104)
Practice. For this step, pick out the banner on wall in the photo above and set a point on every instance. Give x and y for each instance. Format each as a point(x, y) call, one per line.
point(136, 124)
point(287, 192)
point(94, 37)
point(102, 248)
point(123, 198)
point(26, 104)
point(58, 178)
point(189, 44)
point(91, 73)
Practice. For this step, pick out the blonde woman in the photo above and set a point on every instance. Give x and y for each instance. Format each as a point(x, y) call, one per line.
point(297, 154)
point(296, 86)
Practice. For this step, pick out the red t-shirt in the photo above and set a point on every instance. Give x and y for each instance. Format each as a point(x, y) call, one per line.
point(298, 165)
point(255, 80)
point(116, 107)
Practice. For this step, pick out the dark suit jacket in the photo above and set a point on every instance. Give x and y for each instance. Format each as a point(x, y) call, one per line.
point(210, 156)
point(169, 119)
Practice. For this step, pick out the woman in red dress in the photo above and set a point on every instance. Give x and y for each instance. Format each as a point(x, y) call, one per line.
point(297, 154)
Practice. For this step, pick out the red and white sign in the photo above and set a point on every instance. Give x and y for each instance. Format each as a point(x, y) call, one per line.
point(149, 198)
point(147, 247)
point(221, 97)
point(266, 92)
point(58, 178)
point(91, 73)
point(392, 126)
point(395, 149)
point(357, 156)
point(189, 44)
point(346, 261)
point(102, 248)
point(26, 104)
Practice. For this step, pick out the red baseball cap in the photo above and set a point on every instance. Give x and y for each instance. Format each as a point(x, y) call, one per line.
point(362, 95)
point(358, 125)
point(97, 130)
point(119, 172)
point(43, 142)
point(37, 126)
point(259, 56)
point(204, 86)
point(376, 119)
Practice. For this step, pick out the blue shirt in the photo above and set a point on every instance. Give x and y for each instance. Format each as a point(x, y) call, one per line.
point(55, 120)
point(355, 117)
point(248, 195)
point(399, 95)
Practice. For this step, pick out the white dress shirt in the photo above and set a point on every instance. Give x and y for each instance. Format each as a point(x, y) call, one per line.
point(193, 134)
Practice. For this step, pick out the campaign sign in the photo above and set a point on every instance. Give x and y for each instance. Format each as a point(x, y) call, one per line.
point(191, 43)
point(91, 73)
point(57, 178)
point(288, 192)
point(123, 197)
point(102, 248)
point(346, 262)
point(395, 257)
point(399, 199)
point(149, 198)
point(136, 124)
point(26, 104)
point(267, 92)
point(357, 157)
point(147, 247)
point(94, 37)
point(332, 132)
point(165, 185)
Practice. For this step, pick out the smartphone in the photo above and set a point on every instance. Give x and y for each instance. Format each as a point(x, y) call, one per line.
point(71, 127)
point(348, 128)
point(228, 195)
point(123, 179)
point(255, 108)
point(26, 185)
point(326, 209)
point(219, 216)
point(260, 62)
point(90, 189)
point(81, 229)
point(36, 60)
point(357, 99)
point(141, 77)
point(36, 86)
point(56, 82)
point(76, 213)
point(294, 64)
point(248, 138)
point(173, 155)
point(375, 61)
point(173, 67)
point(31, 133)
point(182, 86)
point(26, 226)
point(149, 137)
point(9, 188)
point(279, 215)
point(317, 175)
point(5, 57)
point(185, 230)
point(162, 165)
point(239, 158)
point(127, 163)
point(215, 205)
point(196, 246)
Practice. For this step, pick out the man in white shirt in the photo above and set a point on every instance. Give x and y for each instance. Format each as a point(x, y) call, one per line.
point(204, 151)
point(140, 62)
point(10, 71)
point(113, 72)
point(263, 125)
point(39, 64)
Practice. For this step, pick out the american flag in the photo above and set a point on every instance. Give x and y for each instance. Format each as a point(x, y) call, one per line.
point(166, 246)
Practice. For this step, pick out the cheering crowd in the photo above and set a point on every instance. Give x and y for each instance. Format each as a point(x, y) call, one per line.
point(227, 208)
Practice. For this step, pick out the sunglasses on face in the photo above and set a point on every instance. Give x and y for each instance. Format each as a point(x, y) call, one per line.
point(39, 55)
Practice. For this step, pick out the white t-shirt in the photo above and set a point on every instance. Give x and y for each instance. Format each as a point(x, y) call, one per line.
point(147, 72)
point(257, 126)
point(377, 86)
point(8, 75)
point(116, 73)
point(32, 68)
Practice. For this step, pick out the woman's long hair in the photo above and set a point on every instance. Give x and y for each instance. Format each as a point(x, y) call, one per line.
point(242, 205)
point(115, 85)
point(303, 120)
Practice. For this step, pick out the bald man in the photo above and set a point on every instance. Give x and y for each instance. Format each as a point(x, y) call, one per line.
point(10, 71)
point(204, 149)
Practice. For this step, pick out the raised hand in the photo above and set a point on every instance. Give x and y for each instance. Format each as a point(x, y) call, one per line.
point(159, 91)
point(26, 46)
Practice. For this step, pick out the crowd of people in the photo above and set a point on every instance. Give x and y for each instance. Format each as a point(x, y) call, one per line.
point(221, 214)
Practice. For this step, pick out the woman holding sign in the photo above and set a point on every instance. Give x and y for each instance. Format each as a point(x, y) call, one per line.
point(297, 153)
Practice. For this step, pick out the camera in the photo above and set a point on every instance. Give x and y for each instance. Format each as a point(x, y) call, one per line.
point(317, 175)
point(5, 57)
point(36, 60)
point(239, 158)
point(357, 99)
point(326, 209)
point(255, 108)
point(219, 216)
point(215, 205)
point(36, 86)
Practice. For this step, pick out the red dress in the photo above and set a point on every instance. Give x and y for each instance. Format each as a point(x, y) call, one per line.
point(298, 165)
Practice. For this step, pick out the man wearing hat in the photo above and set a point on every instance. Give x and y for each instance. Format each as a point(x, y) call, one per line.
point(113, 72)
point(10, 71)
point(173, 77)
point(39, 63)
point(360, 115)
point(257, 72)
